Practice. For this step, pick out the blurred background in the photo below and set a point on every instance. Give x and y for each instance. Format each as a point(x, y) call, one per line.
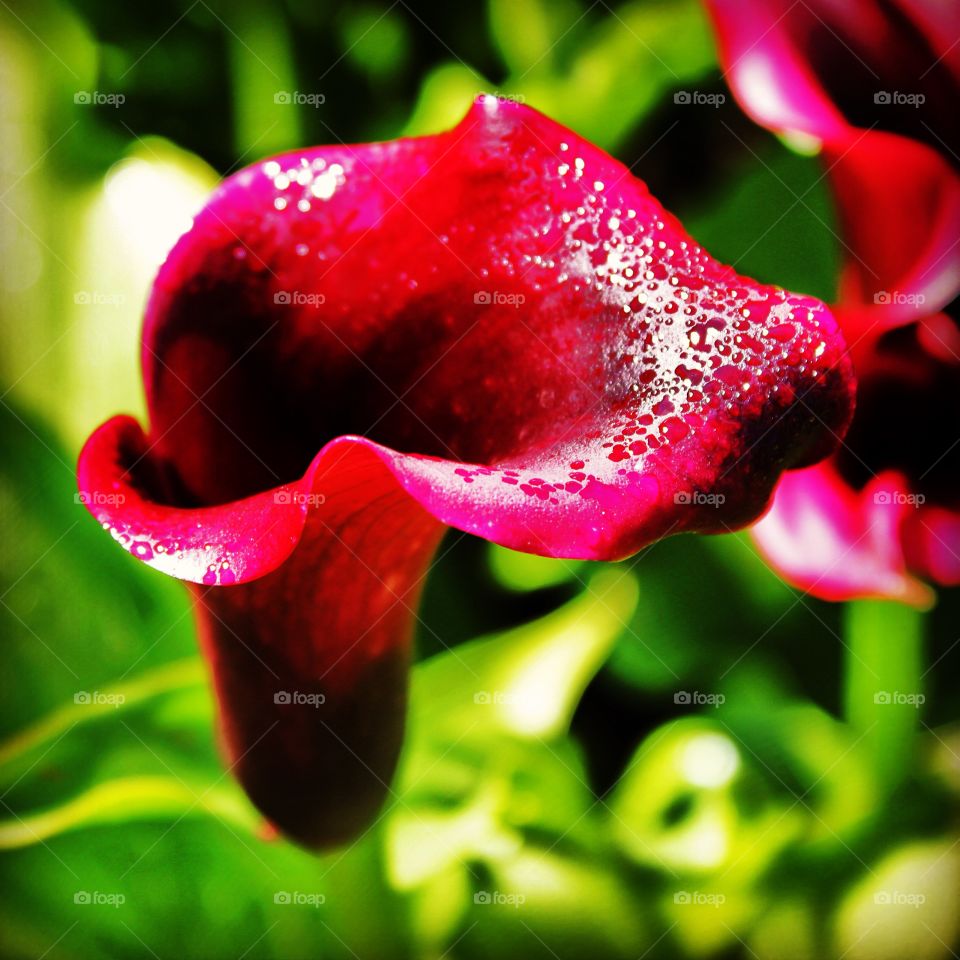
point(646, 759)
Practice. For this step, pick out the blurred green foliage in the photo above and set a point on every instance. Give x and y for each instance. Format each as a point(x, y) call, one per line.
point(643, 759)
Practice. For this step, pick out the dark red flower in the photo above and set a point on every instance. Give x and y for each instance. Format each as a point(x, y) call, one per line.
point(876, 84)
point(533, 351)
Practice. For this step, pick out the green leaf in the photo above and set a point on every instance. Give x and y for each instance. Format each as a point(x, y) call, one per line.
point(79, 614)
point(266, 118)
point(541, 903)
point(623, 68)
point(528, 32)
point(694, 618)
point(92, 705)
point(526, 571)
point(527, 681)
point(375, 40)
point(689, 801)
point(445, 96)
point(774, 221)
point(486, 765)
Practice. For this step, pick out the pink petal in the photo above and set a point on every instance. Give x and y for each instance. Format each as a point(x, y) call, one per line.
point(837, 543)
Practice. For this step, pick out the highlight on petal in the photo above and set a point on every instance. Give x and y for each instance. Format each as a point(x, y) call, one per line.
point(764, 52)
point(496, 328)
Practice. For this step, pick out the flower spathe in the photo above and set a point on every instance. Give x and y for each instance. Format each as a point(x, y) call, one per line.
point(496, 329)
point(875, 85)
point(882, 514)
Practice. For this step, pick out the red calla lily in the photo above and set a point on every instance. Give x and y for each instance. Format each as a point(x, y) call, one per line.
point(877, 85)
point(497, 329)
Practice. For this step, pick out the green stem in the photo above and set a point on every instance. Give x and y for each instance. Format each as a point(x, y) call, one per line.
point(884, 683)
point(131, 798)
point(169, 677)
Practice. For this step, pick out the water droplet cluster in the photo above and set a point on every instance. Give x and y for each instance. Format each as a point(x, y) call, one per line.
point(684, 352)
point(303, 184)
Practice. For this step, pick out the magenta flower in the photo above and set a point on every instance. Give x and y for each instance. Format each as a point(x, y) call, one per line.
point(883, 513)
point(877, 85)
point(496, 329)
